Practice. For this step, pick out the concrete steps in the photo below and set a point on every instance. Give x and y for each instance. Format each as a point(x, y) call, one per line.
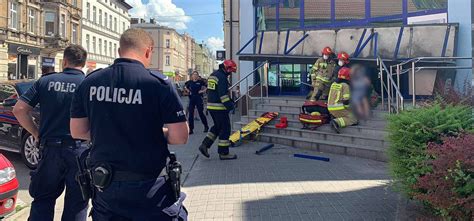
point(365, 140)
point(293, 118)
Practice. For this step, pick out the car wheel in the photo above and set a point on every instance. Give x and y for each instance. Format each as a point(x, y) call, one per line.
point(30, 152)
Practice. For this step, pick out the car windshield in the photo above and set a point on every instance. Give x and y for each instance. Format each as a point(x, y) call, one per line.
point(24, 86)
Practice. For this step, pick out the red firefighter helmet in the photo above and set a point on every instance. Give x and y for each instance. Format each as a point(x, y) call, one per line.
point(344, 73)
point(230, 66)
point(327, 51)
point(343, 56)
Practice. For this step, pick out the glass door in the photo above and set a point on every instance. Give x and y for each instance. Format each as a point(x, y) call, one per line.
point(290, 79)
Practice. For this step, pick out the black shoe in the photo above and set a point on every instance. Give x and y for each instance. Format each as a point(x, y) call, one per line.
point(228, 156)
point(203, 149)
point(206, 129)
point(191, 132)
point(335, 126)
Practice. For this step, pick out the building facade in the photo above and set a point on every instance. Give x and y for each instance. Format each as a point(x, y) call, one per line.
point(277, 29)
point(205, 61)
point(103, 21)
point(61, 27)
point(22, 38)
point(173, 53)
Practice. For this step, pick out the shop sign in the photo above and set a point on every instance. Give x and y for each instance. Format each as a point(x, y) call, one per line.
point(91, 64)
point(47, 62)
point(22, 49)
point(220, 55)
point(169, 74)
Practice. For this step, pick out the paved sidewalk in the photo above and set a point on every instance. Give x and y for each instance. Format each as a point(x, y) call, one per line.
point(277, 186)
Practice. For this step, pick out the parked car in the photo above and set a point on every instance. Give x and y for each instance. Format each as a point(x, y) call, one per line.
point(8, 187)
point(13, 137)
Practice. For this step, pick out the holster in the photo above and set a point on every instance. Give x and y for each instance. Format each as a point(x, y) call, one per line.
point(174, 170)
point(83, 177)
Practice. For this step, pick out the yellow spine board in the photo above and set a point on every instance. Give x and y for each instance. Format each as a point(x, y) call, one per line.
point(250, 128)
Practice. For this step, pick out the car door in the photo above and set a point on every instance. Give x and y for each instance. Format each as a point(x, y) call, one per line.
point(9, 125)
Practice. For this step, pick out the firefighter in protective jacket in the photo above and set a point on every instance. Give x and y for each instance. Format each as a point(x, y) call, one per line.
point(338, 101)
point(219, 105)
point(322, 75)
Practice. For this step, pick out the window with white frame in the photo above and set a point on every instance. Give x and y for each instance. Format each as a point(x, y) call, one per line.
point(115, 50)
point(31, 20)
point(100, 46)
point(74, 34)
point(167, 43)
point(106, 23)
point(123, 27)
point(167, 60)
point(63, 25)
point(93, 45)
point(87, 43)
point(14, 16)
point(50, 21)
point(115, 24)
point(100, 17)
point(105, 47)
point(110, 50)
point(88, 11)
point(94, 14)
point(110, 18)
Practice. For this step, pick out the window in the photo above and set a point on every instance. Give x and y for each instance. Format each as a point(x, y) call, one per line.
point(94, 14)
point(289, 14)
point(100, 16)
point(123, 27)
point(74, 34)
point(167, 43)
point(88, 11)
point(100, 46)
point(49, 18)
point(93, 45)
point(167, 61)
point(31, 20)
point(74, 3)
point(105, 47)
point(266, 17)
point(115, 50)
point(87, 43)
point(110, 18)
point(115, 24)
point(105, 19)
point(63, 25)
point(110, 50)
point(14, 15)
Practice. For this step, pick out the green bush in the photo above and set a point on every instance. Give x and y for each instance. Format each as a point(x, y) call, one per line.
point(411, 131)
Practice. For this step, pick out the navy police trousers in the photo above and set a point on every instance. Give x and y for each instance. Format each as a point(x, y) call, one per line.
point(56, 171)
point(149, 200)
point(196, 102)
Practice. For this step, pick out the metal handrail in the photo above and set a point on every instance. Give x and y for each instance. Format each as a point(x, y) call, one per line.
point(393, 92)
point(246, 76)
point(418, 59)
point(249, 89)
point(413, 69)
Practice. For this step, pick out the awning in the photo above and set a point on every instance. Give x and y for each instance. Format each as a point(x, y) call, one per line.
point(364, 44)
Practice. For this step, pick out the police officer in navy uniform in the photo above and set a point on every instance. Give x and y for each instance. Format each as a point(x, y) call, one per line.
point(196, 88)
point(131, 115)
point(58, 167)
point(219, 105)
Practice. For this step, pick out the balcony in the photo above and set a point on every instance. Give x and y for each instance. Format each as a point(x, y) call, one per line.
point(55, 42)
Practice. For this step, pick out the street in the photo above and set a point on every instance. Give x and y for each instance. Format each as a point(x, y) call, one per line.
point(271, 186)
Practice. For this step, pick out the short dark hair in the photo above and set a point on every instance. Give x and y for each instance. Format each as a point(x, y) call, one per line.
point(136, 39)
point(75, 55)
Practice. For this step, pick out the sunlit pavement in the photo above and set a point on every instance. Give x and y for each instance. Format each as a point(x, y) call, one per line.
point(271, 186)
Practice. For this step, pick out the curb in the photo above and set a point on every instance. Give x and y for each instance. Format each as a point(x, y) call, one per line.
point(20, 215)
